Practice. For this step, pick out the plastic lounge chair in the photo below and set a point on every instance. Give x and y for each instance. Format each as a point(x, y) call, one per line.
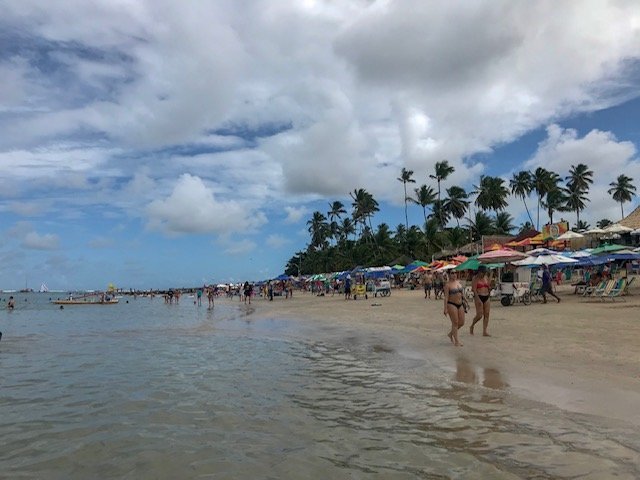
point(591, 289)
point(597, 290)
point(600, 292)
point(616, 291)
point(625, 291)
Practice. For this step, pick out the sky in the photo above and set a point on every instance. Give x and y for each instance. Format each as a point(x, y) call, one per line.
point(157, 143)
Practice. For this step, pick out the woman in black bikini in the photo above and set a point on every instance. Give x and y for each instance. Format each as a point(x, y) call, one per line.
point(454, 306)
point(481, 291)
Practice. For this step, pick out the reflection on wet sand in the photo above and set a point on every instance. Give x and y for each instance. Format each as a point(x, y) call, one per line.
point(386, 418)
point(466, 372)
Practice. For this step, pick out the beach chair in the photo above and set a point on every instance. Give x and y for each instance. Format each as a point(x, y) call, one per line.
point(616, 291)
point(591, 289)
point(627, 285)
point(600, 292)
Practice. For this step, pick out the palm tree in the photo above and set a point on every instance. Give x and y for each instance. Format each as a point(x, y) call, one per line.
point(556, 199)
point(336, 210)
point(582, 225)
point(576, 200)
point(440, 213)
point(346, 228)
point(359, 197)
point(521, 186)
point(457, 236)
point(456, 203)
point(481, 224)
point(318, 229)
point(525, 227)
point(580, 176)
point(492, 193)
point(503, 223)
point(425, 196)
point(622, 190)
point(603, 223)
point(543, 181)
point(578, 181)
point(434, 238)
point(442, 171)
point(406, 177)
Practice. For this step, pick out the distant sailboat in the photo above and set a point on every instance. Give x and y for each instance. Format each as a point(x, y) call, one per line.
point(44, 288)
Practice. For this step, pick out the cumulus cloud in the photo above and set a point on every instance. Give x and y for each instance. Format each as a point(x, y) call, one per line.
point(277, 241)
point(35, 241)
point(295, 214)
point(607, 156)
point(192, 208)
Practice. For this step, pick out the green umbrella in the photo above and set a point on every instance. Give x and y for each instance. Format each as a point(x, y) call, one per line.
point(473, 263)
point(609, 247)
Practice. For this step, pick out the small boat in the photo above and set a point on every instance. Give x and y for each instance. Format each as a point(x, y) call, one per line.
point(85, 302)
point(44, 288)
point(93, 298)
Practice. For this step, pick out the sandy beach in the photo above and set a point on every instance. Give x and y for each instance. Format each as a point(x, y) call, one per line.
point(579, 355)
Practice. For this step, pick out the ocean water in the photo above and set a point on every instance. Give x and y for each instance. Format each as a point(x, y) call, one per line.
point(147, 390)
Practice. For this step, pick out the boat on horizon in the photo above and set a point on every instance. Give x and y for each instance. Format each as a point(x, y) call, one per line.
point(97, 298)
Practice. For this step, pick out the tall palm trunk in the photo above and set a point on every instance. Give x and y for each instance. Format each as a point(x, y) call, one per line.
point(406, 217)
point(621, 210)
point(527, 209)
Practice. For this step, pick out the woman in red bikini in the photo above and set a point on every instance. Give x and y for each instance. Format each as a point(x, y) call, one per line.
point(481, 297)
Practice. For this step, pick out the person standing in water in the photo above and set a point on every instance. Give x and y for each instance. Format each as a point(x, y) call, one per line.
point(11, 304)
point(481, 297)
point(454, 306)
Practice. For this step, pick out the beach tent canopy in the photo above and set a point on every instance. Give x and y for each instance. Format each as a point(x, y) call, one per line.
point(580, 254)
point(542, 251)
point(473, 263)
point(595, 231)
point(552, 259)
point(617, 228)
point(501, 255)
point(607, 248)
point(283, 277)
point(448, 266)
point(377, 272)
point(569, 235)
point(624, 255)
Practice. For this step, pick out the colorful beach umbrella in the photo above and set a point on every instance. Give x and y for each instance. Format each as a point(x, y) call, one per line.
point(473, 263)
point(501, 255)
point(570, 235)
point(607, 248)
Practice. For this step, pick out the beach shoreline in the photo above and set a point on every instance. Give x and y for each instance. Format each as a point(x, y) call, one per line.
point(579, 355)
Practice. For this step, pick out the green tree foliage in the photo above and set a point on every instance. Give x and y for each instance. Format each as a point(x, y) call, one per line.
point(622, 190)
point(406, 176)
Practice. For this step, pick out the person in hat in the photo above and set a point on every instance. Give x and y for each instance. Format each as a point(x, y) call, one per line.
point(481, 287)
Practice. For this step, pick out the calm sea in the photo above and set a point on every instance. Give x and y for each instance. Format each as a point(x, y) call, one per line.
point(146, 390)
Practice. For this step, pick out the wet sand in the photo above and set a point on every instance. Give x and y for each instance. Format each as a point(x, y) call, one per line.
point(579, 355)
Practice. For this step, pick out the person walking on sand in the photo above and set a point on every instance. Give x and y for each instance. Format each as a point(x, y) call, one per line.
point(546, 285)
point(454, 306)
point(210, 295)
point(481, 298)
point(427, 284)
point(247, 292)
point(347, 287)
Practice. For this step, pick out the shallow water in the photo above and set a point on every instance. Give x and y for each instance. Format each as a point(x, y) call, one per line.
point(147, 390)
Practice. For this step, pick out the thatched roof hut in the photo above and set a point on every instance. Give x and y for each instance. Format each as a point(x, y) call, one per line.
point(632, 220)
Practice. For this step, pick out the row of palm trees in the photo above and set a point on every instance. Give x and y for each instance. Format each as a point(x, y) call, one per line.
point(339, 239)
